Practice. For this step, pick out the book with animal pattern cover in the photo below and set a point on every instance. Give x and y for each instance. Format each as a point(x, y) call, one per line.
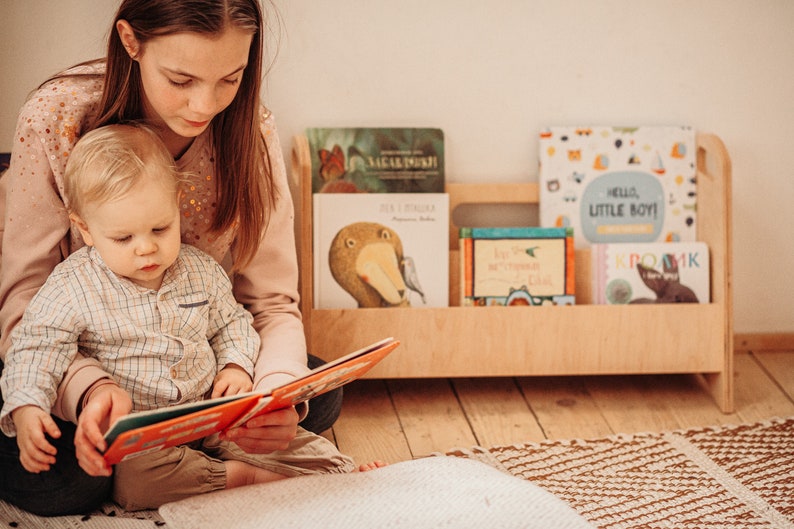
point(376, 160)
point(148, 431)
point(619, 184)
point(380, 250)
point(517, 266)
point(639, 273)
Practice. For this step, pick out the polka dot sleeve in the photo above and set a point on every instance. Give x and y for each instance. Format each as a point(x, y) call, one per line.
point(36, 230)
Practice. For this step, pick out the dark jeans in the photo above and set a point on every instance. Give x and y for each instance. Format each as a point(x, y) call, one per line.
point(324, 409)
point(66, 489)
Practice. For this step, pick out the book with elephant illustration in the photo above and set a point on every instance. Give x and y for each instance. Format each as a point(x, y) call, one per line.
point(665, 272)
point(619, 184)
point(148, 431)
point(380, 250)
point(376, 160)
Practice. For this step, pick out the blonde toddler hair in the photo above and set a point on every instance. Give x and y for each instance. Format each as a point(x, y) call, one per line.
point(109, 161)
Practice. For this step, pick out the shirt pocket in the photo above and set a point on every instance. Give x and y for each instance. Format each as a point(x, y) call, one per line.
point(193, 315)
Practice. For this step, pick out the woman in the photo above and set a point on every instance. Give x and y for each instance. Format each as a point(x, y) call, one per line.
point(191, 69)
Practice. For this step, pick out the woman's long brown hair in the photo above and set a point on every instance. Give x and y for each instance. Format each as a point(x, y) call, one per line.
point(244, 178)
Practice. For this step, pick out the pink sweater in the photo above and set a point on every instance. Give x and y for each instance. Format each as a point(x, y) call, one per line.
point(36, 232)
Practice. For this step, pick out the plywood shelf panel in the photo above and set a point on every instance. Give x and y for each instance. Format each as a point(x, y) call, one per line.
point(519, 341)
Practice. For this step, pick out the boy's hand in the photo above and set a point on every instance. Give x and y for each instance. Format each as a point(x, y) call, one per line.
point(107, 403)
point(231, 380)
point(32, 423)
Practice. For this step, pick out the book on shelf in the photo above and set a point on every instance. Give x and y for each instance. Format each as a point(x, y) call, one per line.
point(376, 160)
point(664, 272)
point(380, 250)
point(619, 184)
point(517, 266)
point(147, 431)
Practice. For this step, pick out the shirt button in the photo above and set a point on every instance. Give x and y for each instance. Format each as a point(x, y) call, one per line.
point(173, 372)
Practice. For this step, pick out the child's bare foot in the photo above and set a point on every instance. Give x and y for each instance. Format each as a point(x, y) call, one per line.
point(239, 474)
point(371, 466)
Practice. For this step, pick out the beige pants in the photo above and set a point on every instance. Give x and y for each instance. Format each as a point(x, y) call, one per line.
point(175, 473)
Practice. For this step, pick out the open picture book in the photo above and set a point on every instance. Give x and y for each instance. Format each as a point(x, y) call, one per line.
point(147, 431)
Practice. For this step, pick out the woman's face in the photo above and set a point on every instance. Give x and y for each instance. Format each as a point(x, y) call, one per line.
point(188, 78)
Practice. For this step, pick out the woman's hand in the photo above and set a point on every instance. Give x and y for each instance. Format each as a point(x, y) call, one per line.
point(266, 433)
point(106, 404)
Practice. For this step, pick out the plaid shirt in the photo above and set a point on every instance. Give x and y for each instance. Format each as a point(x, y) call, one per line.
point(163, 347)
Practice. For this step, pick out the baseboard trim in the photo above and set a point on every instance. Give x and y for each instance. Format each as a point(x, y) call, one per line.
point(770, 341)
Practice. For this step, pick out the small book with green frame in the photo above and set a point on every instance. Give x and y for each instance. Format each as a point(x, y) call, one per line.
point(517, 266)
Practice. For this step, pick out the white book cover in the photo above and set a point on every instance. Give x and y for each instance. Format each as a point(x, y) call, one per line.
point(665, 272)
point(381, 250)
point(619, 184)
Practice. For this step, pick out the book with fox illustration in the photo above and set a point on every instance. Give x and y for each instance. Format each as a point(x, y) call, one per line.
point(148, 431)
point(665, 272)
point(376, 160)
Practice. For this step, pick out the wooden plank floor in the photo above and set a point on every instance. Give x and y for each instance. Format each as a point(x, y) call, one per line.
point(398, 420)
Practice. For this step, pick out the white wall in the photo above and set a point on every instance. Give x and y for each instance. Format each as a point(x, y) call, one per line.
point(493, 74)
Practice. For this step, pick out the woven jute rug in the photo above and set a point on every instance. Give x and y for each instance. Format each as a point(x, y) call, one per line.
point(727, 476)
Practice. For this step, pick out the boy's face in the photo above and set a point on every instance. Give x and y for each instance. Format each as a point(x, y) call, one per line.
point(137, 235)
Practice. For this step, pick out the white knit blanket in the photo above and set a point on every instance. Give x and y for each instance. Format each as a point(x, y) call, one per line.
point(434, 492)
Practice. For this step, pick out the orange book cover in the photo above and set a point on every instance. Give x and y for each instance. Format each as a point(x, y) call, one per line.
point(466, 262)
point(143, 432)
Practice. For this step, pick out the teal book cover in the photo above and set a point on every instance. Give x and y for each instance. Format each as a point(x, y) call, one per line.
point(376, 160)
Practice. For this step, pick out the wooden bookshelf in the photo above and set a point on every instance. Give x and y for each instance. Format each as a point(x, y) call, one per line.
point(582, 339)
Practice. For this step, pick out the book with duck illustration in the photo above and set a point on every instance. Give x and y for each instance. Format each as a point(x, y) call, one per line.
point(380, 250)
